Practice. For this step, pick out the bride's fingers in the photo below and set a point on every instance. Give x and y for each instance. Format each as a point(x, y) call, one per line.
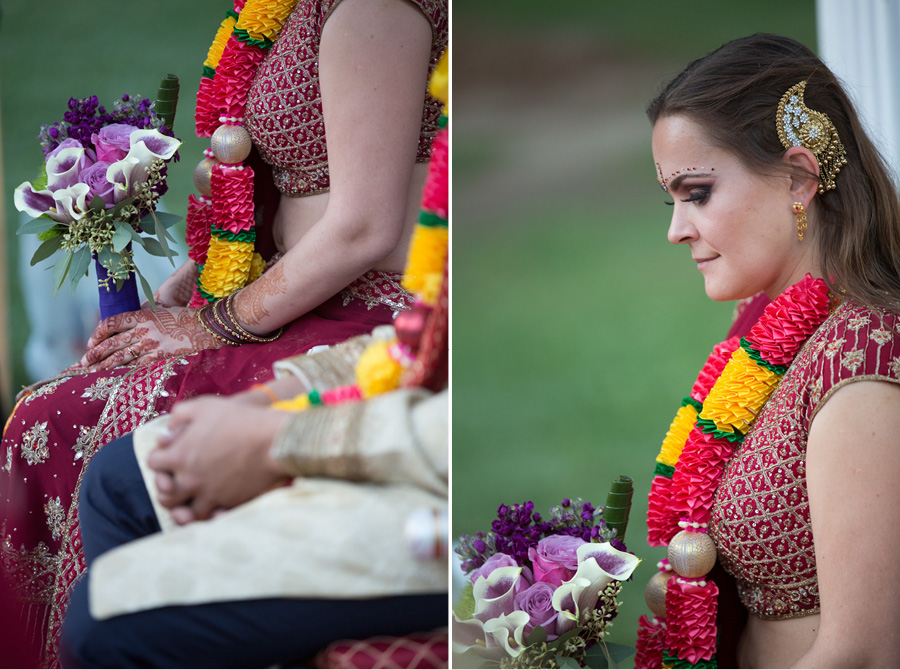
point(110, 326)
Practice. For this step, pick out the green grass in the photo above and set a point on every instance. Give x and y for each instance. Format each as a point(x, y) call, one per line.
point(57, 49)
point(577, 328)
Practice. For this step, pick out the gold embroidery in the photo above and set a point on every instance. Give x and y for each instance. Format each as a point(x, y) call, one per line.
point(30, 572)
point(101, 389)
point(378, 288)
point(56, 516)
point(880, 335)
point(852, 359)
point(35, 441)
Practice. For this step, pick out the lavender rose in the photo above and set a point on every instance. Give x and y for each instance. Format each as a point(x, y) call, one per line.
point(555, 558)
point(95, 178)
point(113, 142)
point(537, 602)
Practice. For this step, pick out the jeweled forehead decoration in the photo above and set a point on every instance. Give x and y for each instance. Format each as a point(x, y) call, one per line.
point(800, 126)
point(664, 181)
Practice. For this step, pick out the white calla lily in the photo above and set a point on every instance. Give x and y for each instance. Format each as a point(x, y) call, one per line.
point(154, 143)
point(71, 203)
point(492, 639)
point(34, 203)
point(598, 565)
point(63, 168)
point(122, 174)
point(495, 593)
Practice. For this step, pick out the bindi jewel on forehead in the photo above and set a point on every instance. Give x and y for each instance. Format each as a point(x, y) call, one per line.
point(664, 181)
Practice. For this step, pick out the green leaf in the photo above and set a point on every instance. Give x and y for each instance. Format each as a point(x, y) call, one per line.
point(148, 224)
point(136, 236)
point(152, 245)
point(145, 287)
point(619, 652)
point(537, 636)
point(166, 219)
point(81, 261)
point(121, 237)
point(53, 232)
point(47, 249)
point(98, 203)
point(567, 662)
point(60, 270)
point(596, 657)
point(464, 608)
point(36, 226)
point(161, 238)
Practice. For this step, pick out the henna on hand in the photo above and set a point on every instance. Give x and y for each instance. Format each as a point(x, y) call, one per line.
point(172, 331)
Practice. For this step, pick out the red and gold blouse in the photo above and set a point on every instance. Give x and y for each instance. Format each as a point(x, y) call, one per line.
point(760, 518)
point(284, 104)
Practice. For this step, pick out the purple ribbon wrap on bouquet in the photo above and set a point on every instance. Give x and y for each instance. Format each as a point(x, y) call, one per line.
point(114, 302)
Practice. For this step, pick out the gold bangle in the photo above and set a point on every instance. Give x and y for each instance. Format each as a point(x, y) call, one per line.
point(243, 333)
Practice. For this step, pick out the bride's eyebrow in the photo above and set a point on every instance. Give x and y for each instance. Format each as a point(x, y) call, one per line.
point(676, 181)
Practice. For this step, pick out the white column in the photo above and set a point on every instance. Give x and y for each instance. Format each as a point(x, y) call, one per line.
point(860, 41)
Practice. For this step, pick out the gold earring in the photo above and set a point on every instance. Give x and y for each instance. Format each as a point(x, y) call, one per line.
point(800, 212)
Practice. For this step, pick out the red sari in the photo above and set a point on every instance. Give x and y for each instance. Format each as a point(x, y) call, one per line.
point(54, 432)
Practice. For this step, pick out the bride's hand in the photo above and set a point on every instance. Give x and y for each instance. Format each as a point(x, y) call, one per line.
point(176, 291)
point(144, 336)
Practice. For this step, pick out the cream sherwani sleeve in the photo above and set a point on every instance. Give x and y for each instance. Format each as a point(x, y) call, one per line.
point(336, 532)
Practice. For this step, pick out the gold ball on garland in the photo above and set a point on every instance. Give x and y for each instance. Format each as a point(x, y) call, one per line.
point(655, 593)
point(231, 144)
point(203, 176)
point(692, 554)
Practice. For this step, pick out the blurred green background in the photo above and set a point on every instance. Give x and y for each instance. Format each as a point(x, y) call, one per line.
point(577, 328)
point(56, 49)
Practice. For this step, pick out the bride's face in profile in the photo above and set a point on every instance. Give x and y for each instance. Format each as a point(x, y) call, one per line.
point(739, 225)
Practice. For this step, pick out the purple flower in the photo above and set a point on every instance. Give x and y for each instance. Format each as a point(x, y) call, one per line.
point(113, 142)
point(555, 558)
point(537, 602)
point(95, 178)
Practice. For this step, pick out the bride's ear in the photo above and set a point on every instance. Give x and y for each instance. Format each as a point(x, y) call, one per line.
point(804, 171)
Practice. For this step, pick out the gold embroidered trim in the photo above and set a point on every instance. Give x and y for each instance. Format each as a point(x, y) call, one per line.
point(328, 369)
point(322, 442)
point(379, 288)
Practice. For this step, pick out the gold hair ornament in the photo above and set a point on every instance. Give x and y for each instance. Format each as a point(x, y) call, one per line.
point(800, 126)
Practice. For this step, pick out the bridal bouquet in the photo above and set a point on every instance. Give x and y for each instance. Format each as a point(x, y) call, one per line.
point(542, 593)
point(97, 192)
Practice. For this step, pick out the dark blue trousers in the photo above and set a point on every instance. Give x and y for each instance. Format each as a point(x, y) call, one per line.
point(115, 508)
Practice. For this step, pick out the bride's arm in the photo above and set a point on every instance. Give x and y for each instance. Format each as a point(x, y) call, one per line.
point(373, 68)
point(852, 468)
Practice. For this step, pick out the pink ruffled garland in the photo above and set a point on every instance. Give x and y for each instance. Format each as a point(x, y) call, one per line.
point(691, 605)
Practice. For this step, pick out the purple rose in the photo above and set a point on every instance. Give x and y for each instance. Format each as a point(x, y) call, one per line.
point(537, 602)
point(113, 142)
point(555, 559)
point(95, 178)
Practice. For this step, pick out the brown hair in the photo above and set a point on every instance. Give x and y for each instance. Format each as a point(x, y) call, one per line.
point(733, 93)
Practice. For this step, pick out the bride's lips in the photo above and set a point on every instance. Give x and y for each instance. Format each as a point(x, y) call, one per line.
point(703, 262)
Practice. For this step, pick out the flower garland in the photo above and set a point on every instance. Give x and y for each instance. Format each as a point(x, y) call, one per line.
point(220, 222)
point(738, 378)
point(382, 366)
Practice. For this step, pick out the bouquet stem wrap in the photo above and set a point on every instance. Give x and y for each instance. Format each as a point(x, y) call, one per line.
point(114, 302)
